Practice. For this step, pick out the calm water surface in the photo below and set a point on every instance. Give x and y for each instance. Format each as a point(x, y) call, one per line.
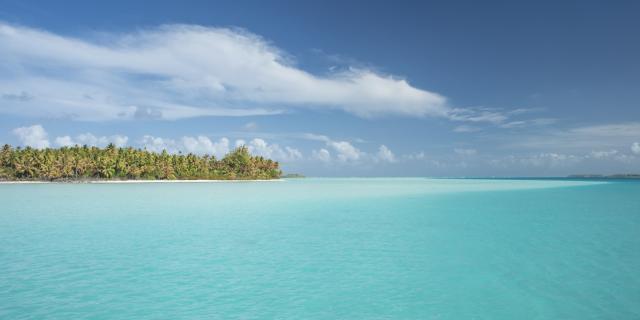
point(321, 249)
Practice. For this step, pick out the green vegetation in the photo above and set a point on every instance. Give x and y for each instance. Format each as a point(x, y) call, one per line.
point(112, 163)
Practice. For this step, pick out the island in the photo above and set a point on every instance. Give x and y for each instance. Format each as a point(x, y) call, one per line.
point(85, 163)
point(603, 176)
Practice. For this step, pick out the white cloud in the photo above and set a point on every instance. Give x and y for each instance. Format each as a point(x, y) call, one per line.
point(204, 145)
point(323, 155)
point(545, 159)
point(345, 151)
point(34, 136)
point(157, 144)
point(581, 139)
point(240, 143)
point(292, 153)
point(179, 71)
point(92, 140)
point(465, 152)
point(65, 141)
point(635, 148)
point(478, 115)
point(385, 154)
point(466, 128)
point(250, 126)
point(603, 154)
point(495, 116)
point(119, 140)
point(259, 147)
point(415, 156)
point(528, 123)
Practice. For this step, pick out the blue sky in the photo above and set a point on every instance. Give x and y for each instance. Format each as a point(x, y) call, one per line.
point(363, 88)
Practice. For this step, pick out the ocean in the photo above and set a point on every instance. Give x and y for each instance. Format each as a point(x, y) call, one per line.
point(322, 248)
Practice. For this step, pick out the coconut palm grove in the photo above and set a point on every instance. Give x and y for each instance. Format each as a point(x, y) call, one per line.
point(80, 163)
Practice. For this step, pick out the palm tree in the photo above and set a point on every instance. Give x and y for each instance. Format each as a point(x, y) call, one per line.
point(112, 162)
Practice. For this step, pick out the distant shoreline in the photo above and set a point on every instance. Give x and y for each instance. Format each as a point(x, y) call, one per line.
point(135, 181)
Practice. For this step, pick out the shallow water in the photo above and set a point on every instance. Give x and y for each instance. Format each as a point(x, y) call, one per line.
point(321, 249)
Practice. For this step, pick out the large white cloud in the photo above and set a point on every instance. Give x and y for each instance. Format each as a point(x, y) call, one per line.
point(178, 71)
point(187, 144)
point(92, 140)
point(204, 145)
point(219, 148)
point(33, 136)
point(260, 147)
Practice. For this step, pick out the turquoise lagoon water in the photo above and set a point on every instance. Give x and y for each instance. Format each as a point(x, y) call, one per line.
point(321, 249)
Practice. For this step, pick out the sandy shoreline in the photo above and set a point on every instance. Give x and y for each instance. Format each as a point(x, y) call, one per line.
point(138, 181)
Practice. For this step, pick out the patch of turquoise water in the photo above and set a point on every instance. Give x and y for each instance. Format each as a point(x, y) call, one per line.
point(321, 248)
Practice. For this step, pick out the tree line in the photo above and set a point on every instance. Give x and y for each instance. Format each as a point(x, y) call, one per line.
point(88, 163)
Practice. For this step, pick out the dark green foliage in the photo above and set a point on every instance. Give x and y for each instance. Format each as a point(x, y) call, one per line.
point(85, 163)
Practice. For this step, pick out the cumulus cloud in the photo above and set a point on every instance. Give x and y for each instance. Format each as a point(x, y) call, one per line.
point(344, 150)
point(33, 136)
point(36, 136)
point(323, 155)
point(240, 143)
point(603, 154)
point(204, 145)
point(260, 147)
point(219, 148)
point(187, 144)
point(158, 144)
point(65, 141)
point(384, 154)
point(91, 140)
point(635, 148)
point(180, 71)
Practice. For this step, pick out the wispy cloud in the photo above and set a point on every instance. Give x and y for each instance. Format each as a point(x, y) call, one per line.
point(482, 117)
point(465, 128)
point(181, 71)
point(617, 135)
